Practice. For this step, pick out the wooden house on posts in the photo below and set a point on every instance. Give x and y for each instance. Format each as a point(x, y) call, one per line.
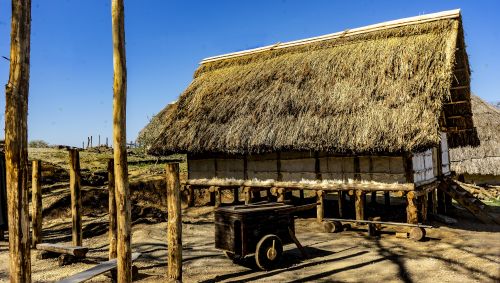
point(363, 110)
point(480, 165)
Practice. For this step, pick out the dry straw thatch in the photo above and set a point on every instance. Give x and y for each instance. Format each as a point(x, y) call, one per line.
point(485, 159)
point(380, 91)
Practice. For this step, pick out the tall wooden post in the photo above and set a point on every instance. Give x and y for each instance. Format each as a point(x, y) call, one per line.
point(373, 197)
point(16, 142)
point(411, 209)
point(434, 202)
point(112, 210)
point(359, 204)
point(236, 196)
point(174, 228)
point(76, 198)
point(320, 208)
point(124, 253)
point(36, 202)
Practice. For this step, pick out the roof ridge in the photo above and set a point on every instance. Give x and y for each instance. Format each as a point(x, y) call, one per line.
point(348, 32)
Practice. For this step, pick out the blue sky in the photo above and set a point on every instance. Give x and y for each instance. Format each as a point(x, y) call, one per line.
point(71, 53)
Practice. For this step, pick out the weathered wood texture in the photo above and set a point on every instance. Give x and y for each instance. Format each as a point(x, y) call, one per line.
point(340, 200)
point(36, 202)
point(77, 251)
point(112, 234)
point(174, 230)
point(320, 209)
point(16, 142)
point(124, 251)
point(76, 197)
point(411, 209)
point(359, 204)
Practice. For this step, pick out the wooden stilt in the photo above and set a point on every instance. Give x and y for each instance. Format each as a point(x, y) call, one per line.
point(411, 209)
point(36, 201)
point(340, 195)
point(360, 204)
point(16, 143)
point(211, 193)
point(123, 216)
point(174, 230)
point(236, 195)
point(320, 208)
point(373, 197)
point(434, 202)
point(301, 196)
point(218, 197)
point(387, 198)
point(76, 198)
point(248, 195)
point(112, 209)
point(423, 208)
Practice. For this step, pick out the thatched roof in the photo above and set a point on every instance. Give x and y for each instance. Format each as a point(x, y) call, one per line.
point(152, 130)
point(388, 87)
point(485, 159)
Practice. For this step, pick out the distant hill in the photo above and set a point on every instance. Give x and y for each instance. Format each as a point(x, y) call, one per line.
point(496, 104)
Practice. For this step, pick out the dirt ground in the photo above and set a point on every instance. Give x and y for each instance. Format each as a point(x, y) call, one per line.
point(467, 252)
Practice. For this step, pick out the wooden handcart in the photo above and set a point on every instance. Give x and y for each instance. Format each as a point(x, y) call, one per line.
point(261, 229)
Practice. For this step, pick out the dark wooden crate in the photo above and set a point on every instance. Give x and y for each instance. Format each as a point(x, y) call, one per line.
point(238, 229)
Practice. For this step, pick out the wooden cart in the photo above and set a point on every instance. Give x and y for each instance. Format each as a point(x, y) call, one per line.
point(261, 229)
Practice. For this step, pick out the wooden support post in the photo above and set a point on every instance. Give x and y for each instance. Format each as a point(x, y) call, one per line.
point(88, 142)
point(434, 202)
point(411, 209)
point(387, 198)
point(301, 196)
point(359, 205)
point(422, 202)
point(91, 142)
point(211, 193)
point(248, 195)
point(320, 208)
point(124, 251)
point(174, 230)
point(36, 202)
point(218, 196)
point(99, 143)
point(16, 142)
point(112, 209)
point(190, 196)
point(76, 198)
point(236, 195)
point(340, 200)
point(269, 196)
point(373, 197)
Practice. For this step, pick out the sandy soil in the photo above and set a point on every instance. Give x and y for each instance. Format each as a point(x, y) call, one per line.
point(469, 252)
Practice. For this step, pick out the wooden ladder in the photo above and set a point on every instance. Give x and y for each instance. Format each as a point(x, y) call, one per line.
point(468, 201)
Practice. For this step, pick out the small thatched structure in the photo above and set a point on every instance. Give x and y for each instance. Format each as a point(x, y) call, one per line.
point(481, 164)
point(373, 107)
point(149, 133)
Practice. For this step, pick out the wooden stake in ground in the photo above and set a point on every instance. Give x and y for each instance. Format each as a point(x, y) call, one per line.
point(124, 252)
point(112, 209)
point(174, 230)
point(360, 204)
point(76, 197)
point(36, 202)
point(16, 142)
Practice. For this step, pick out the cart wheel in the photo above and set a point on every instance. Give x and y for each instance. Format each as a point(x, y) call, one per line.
point(268, 252)
point(232, 256)
point(332, 227)
point(417, 234)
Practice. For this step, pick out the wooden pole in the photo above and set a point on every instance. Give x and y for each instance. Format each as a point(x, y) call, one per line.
point(340, 200)
point(99, 141)
point(190, 197)
point(112, 210)
point(218, 196)
point(248, 195)
point(124, 252)
point(280, 195)
point(434, 202)
point(174, 230)
point(236, 196)
point(36, 202)
point(359, 204)
point(16, 142)
point(320, 208)
point(76, 198)
point(373, 197)
point(387, 198)
point(91, 142)
point(411, 209)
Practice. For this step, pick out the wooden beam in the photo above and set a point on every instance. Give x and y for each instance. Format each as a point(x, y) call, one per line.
point(113, 226)
point(76, 197)
point(36, 202)
point(16, 142)
point(124, 251)
point(174, 228)
point(77, 251)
